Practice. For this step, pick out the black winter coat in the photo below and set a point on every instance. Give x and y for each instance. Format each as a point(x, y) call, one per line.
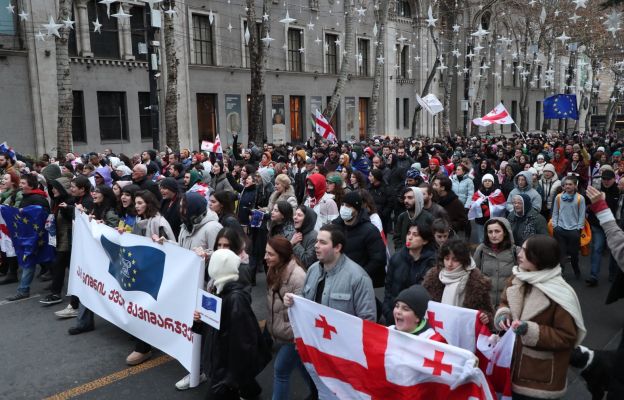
point(236, 353)
point(365, 246)
point(246, 203)
point(170, 210)
point(404, 272)
point(35, 199)
point(383, 202)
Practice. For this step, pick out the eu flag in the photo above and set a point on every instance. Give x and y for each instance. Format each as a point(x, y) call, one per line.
point(27, 229)
point(561, 106)
point(135, 267)
point(209, 303)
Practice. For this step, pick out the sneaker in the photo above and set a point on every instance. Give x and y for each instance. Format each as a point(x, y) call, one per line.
point(51, 299)
point(185, 383)
point(67, 312)
point(136, 358)
point(18, 296)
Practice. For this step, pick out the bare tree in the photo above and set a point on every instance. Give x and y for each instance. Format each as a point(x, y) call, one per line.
point(348, 42)
point(257, 65)
point(64, 85)
point(381, 19)
point(171, 96)
point(430, 77)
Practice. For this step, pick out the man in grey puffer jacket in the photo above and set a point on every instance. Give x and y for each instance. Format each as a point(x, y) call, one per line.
point(523, 185)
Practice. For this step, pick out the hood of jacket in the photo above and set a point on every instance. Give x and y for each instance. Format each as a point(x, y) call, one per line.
point(526, 205)
point(61, 184)
point(51, 172)
point(551, 168)
point(529, 178)
point(507, 225)
point(267, 175)
point(309, 221)
point(105, 173)
point(320, 185)
point(419, 201)
point(196, 207)
point(196, 177)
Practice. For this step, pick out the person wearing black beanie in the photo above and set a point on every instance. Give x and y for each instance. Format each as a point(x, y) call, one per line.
point(410, 309)
point(170, 205)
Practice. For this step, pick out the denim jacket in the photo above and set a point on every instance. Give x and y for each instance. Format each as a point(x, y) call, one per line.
point(347, 288)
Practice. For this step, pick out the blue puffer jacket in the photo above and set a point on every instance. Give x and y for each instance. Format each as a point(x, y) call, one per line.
point(464, 189)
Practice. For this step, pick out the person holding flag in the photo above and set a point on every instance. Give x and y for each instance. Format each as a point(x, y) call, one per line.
point(544, 312)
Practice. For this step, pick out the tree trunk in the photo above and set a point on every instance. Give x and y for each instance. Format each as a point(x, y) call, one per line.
point(591, 98)
point(171, 96)
point(347, 42)
point(64, 86)
point(450, 75)
point(381, 19)
point(257, 65)
point(425, 91)
point(476, 104)
point(524, 97)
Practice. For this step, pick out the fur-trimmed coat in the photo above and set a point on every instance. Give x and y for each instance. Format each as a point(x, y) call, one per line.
point(288, 195)
point(541, 356)
point(477, 295)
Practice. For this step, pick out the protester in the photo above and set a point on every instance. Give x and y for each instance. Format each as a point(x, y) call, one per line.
point(283, 192)
point(304, 238)
point(284, 275)
point(320, 201)
point(456, 281)
point(523, 185)
point(409, 265)
point(458, 216)
point(414, 212)
point(524, 219)
point(409, 312)
point(281, 222)
point(544, 312)
point(170, 206)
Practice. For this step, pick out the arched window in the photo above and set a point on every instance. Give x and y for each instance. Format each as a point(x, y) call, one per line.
point(403, 9)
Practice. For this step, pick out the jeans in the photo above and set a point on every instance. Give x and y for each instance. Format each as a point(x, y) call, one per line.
point(27, 277)
point(569, 244)
point(597, 247)
point(85, 317)
point(286, 360)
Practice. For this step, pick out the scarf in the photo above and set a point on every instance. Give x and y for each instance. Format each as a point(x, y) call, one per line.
point(550, 282)
point(455, 284)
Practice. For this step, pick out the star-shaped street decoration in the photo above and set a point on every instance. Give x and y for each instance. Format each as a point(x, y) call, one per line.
point(97, 27)
point(301, 50)
point(170, 12)
point(287, 20)
point(478, 48)
point(107, 3)
point(317, 41)
point(121, 14)
point(580, 3)
point(210, 16)
point(267, 39)
point(557, 12)
point(470, 55)
point(456, 28)
point(23, 15)
point(480, 32)
point(40, 36)
point(442, 67)
point(247, 35)
point(574, 18)
point(417, 58)
point(11, 8)
point(265, 17)
point(52, 27)
point(456, 53)
point(338, 42)
point(563, 38)
point(430, 20)
point(311, 25)
point(380, 60)
point(229, 27)
point(69, 24)
point(361, 12)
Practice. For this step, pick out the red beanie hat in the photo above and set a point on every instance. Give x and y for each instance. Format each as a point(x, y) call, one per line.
point(434, 160)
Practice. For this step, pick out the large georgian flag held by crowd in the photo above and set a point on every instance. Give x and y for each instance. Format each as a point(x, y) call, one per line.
point(499, 115)
point(350, 358)
point(145, 288)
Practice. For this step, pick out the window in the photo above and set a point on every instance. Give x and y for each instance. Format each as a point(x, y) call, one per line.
point(514, 111)
point(397, 112)
point(363, 47)
point(403, 9)
point(296, 118)
point(72, 46)
point(145, 116)
point(137, 31)
point(112, 115)
point(79, 133)
point(105, 44)
point(406, 113)
point(515, 74)
point(295, 57)
point(331, 54)
point(503, 72)
point(7, 20)
point(206, 116)
point(539, 76)
point(538, 115)
point(363, 117)
point(203, 42)
point(404, 62)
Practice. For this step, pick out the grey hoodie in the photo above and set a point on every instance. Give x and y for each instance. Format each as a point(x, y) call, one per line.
point(536, 199)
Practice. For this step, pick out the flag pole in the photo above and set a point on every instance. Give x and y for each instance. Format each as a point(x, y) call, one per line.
point(520, 130)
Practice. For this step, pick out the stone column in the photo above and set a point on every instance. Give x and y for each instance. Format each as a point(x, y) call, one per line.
point(125, 33)
point(83, 29)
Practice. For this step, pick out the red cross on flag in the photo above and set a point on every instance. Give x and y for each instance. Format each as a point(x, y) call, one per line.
point(349, 358)
point(499, 115)
point(323, 128)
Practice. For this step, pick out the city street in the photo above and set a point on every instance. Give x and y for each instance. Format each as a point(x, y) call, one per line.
point(40, 360)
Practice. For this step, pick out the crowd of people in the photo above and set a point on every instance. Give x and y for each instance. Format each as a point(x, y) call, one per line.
point(489, 223)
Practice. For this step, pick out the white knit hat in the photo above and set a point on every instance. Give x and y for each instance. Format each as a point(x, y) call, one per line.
point(487, 177)
point(223, 267)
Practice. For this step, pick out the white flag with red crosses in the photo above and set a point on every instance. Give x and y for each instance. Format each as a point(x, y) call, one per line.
point(349, 358)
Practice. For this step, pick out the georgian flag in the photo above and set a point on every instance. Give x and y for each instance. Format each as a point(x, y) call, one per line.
point(461, 327)
point(349, 358)
point(212, 147)
point(496, 203)
point(6, 244)
point(499, 115)
point(323, 128)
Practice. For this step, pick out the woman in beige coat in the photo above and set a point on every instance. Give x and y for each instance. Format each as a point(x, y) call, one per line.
point(284, 275)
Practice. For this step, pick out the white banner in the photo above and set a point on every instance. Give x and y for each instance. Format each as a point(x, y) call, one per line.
point(148, 290)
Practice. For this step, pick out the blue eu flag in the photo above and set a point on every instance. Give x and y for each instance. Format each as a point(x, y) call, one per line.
point(560, 106)
point(27, 229)
point(210, 304)
point(135, 267)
